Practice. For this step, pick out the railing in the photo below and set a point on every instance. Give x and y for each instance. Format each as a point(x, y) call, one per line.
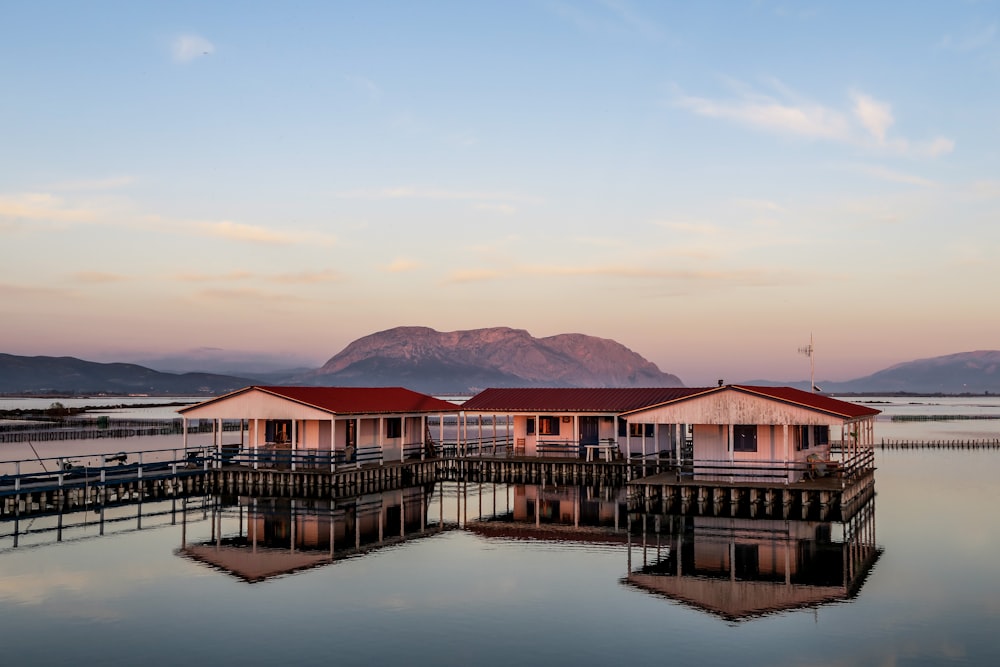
point(101, 468)
point(43, 430)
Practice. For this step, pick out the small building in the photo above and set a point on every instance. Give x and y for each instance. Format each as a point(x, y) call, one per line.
point(779, 433)
point(327, 424)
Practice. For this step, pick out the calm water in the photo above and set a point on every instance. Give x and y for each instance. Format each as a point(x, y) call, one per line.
point(560, 576)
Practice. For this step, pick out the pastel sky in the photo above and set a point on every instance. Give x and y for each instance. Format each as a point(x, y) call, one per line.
point(707, 183)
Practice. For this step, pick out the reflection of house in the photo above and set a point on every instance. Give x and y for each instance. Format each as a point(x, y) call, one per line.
point(727, 427)
point(741, 568)
point(563, 513)
point(356, 423)
point(268, 537)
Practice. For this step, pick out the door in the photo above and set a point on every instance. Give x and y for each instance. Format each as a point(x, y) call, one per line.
point(590, 430)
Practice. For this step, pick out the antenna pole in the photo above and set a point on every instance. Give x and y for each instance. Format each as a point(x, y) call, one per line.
point(809, 351)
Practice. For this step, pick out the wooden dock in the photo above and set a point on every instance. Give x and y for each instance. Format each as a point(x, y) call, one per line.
point(650, 480)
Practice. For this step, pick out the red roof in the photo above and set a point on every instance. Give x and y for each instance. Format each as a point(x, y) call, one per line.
point(354, 400)
point(623, 400)
point(573, 399)
point(812, 400)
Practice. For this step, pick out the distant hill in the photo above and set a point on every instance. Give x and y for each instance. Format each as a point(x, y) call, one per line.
point(431, 361)
point(962, 373)
point(69, 375)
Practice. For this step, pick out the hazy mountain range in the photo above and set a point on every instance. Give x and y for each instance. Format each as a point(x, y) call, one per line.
point(456, 362)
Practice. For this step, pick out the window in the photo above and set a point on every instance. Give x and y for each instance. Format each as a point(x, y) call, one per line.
point(394, 427)
point(804, 433)
point(821, 435)
point(529, 426)
point(640, 430)
point(745, 438)
point(548, 426)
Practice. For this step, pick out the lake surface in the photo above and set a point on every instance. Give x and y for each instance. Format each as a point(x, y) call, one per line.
point(553, 576)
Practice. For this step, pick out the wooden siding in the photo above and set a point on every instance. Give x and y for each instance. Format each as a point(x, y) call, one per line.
point(733, 407)
point(254, 404)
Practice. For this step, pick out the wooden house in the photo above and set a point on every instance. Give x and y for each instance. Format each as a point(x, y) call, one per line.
point(327, 424)
point(777, 433)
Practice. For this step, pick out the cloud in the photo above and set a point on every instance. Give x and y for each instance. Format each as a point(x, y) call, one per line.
point(43, 206)
point(186, 48)
point(235, 231)
point(810, 120)
point(610, 17)
point(298, 278)
point(688, 226)
point(970, 41)
point(110, 183)
point(502, 209)
point(759, 204)
point(473, 276)
point(308, 277)
point(402, 265)
point(369, 87)
point(866, 123)
point(875, 116)
point(893, 176)
point(98, 277)
point(437, 194)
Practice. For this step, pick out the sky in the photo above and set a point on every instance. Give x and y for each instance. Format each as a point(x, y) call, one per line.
point(709, 183)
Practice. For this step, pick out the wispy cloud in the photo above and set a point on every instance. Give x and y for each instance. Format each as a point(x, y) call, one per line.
point(369, 87)
point(875, 116)
point(893, 176)
point(309, 277)
point(438, 194)
point(235, 231)
point(98, 277)
point(867, 122)
point(972, 40)
point(606, 17)
point(735, 277)
point(297, 278)
point(402, 265)
point(188, 47)
point(110, 183)
point(473, 276)
point(502, 209)
point(44, 206)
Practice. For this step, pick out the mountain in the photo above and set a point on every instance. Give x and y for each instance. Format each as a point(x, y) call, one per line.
point(966, 372)
point(431, 361)
point(69, 375)
point(962, 373)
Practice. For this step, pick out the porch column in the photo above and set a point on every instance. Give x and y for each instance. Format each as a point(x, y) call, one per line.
point(184, 433)
point(256, 441)
point(333, 449)
point(295, 425)
point(479, 424)
point(218, 442)
point(423, 434)
point(784, 428)
point(381, 452)
point(576, 434)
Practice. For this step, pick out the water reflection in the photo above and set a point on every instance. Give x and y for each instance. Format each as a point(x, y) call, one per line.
point(735, 568)
point(740, 568)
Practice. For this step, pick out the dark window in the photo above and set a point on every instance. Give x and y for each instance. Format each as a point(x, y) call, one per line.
point(529, 427)
point(548, 425)
point(622, 427)
point(804, 433)
point(747, 565)
point(641, 430)
point(394, 427)
point(821, 435)
point(745, 438)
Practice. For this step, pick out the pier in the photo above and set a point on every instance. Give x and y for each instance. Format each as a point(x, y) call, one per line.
point(700, 487)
